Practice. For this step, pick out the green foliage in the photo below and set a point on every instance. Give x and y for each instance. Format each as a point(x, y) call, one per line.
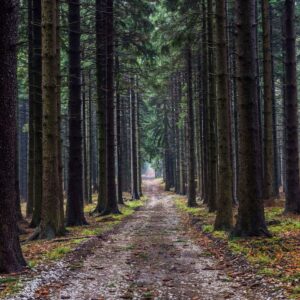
point(207, 228)
point(58, 252)
point(8, 280)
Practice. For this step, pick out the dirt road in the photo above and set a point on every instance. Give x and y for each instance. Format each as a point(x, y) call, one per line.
point(150, 257)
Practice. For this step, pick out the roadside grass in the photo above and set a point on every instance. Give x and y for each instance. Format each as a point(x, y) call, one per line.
point(276, 257)
point(43, 252)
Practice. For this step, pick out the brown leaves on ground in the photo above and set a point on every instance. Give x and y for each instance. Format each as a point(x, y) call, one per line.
point(276, 258)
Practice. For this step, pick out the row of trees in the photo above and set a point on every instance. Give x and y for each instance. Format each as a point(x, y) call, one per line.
point(228, 136)
point(210, 106)
point(83, 113)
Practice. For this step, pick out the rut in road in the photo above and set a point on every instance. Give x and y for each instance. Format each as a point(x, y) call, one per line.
point(150, 257)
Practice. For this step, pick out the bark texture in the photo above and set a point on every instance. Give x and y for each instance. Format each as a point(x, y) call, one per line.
point(75, 214)
point(11, 259)
point(190, 132)
point(269, 172)
point(111, 202)
point(37, 113)
point(51, 218)
point(224, 200)
point(133, 146)
point(291, 112)
point(250, 220)
point(212, 115)
point(101, 74)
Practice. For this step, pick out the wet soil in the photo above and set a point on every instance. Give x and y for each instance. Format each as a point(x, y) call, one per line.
point(150, 256)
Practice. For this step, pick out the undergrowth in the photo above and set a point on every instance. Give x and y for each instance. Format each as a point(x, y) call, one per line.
point(44, 252)
point(277, 257)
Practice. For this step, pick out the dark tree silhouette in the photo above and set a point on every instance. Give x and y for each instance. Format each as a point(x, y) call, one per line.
point(11, 259)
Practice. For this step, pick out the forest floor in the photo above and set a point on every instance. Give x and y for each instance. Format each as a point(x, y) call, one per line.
point(158, 252)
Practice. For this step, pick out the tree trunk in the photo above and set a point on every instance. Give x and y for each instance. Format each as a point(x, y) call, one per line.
point(251, 220)
point(111, 205)
point(37, 117)
point(205, 132)
point(291, 113)
point(101, 74)
point(134, 162)
point(119, 132)
point(268, 184)
point(11, 259)
point(86, 178)
point(190, 132)
point(224, 201)
point(91, 142)
point(212, 124)
point(50, 225)
point(138, 135)
point(29, 207)
point(75, 203)
point(61, 221)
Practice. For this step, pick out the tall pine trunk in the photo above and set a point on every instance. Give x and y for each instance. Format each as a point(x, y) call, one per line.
point(111, 205)
point(37, 116)
point(205, 130)
point(251, 219)
point(29, 207)
point(224, 200)
point(101, 75)
point(212, 124)
point(50, 225)
point(11, 259)
point(119, 133)
point(75, 214)
point(291, 112)
point(134, 155)
point(268, 178)
point(190, 132)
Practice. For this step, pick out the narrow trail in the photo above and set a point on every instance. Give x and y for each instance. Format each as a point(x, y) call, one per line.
point(150, 257)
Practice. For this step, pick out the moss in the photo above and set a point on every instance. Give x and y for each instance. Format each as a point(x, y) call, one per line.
point(148, 295)
point(58, 253)
point(295, 294)
point(91, 231)
point(32, 263)
point(260, 259)
point(272, 213)
point(270, 272)
point(236, 247)
point(207, 228)
point(220, 234)
point(292, 277)
point(285, 226)
point(181, 204)
point(199, 211)
point(79, 241)
point(9, 286)
point(8, 280)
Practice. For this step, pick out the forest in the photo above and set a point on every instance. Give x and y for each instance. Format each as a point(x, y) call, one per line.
point(149, 149)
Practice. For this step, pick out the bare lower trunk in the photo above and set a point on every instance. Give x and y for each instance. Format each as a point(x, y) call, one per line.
point(251, 220)
point(75, 214)
point(190, 133)
point(11, 259)
point(291, 113)
point(224, 216)
point(268, 184)
point(50, 225)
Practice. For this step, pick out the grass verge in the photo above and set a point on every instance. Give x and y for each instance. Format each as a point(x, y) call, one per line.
point(44, 252)
point(276, 257)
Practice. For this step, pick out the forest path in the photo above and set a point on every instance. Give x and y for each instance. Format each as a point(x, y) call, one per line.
point(150, 257)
